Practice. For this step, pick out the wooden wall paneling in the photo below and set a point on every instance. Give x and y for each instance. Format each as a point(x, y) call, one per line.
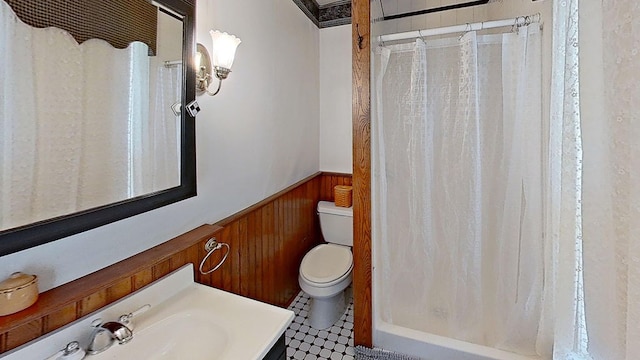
point(24, 334)
point(161, 269)
point(92, 303)
point(243, 246)
point(361, 100)
point(3, 343)
point(218, 275)
point(142, 279)
point(315, 221)
point(249, 258)
point(267, 251)
point(59, 318)
point(311, 201)
point(281, 256)
point(329, 180)
point(259, 259)
point(327, 188)
point(227, 269)
point(286, 243)
point(301, 236)
point(284, 236)
point(252, 252)
point(234, 242)
point(119, 290)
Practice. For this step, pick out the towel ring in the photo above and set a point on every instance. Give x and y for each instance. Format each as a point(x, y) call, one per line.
point(211, 246)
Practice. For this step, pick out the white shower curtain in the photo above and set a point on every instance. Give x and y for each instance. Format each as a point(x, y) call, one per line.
point(459, 187)
point(597, 66)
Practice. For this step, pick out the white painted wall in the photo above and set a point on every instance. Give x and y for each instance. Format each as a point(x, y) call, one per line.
point(259, 135)
point(335, 100)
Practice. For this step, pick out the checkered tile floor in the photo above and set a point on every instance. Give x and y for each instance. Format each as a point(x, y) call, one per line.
point(306, 343)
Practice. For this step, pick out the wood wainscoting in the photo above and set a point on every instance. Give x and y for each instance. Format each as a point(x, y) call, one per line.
point(328, 181)
point(267, 240)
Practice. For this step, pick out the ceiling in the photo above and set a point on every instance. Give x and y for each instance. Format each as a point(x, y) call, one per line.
point(392, 7)
point(399, 6)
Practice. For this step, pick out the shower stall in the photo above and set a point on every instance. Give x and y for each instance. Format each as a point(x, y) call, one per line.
point(458, 151)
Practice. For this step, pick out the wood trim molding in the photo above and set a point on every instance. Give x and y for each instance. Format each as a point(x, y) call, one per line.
point(362, 300)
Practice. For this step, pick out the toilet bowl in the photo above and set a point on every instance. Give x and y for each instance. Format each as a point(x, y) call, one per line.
point(326, 270)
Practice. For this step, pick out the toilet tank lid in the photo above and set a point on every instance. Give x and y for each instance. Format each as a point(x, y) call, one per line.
point(327, 207)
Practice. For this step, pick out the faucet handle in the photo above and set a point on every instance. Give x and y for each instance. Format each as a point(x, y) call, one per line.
point(118, 331)
point(72, 351)
point(126, 319)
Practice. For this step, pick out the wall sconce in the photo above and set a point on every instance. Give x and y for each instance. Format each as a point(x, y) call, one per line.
point(222, 54)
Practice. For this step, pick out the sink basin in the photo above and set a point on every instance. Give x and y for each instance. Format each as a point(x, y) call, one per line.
point(193, 334)
point(188, 336)
point(186, 320)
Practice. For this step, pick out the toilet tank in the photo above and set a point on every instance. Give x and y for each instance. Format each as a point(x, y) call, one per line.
point(336, 223)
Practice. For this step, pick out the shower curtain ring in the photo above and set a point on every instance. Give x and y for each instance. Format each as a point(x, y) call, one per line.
point(514, 27)
point(466, 31)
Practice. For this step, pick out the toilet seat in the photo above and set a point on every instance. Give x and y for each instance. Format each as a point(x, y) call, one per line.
point(326, 265)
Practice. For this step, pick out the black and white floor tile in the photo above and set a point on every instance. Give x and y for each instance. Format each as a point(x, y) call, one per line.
point(306, 343)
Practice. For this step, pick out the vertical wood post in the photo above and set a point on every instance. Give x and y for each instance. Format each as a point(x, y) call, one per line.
point(360, 22)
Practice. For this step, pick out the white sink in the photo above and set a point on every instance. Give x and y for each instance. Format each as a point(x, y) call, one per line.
point(186, 321)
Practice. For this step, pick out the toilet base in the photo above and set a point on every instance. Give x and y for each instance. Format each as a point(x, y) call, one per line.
point(324, 312)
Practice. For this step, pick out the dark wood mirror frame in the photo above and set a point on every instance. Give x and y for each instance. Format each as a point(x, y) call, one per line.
point(28, 236)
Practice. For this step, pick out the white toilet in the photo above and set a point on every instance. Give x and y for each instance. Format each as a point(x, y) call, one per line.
point(325, 271)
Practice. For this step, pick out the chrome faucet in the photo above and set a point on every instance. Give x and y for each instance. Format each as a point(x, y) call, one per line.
point(105, 335)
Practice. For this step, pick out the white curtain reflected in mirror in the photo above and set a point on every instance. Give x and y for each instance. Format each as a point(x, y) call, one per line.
point(163, 143)
point(81, 125)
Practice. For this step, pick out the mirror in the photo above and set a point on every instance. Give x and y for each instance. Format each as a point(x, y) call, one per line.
point(93, 130)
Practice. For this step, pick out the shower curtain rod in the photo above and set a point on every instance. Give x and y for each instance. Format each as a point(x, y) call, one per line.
point(172, 63)
point(518, 21)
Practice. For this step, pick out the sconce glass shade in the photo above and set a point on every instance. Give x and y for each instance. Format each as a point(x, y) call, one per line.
point(223, 50)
